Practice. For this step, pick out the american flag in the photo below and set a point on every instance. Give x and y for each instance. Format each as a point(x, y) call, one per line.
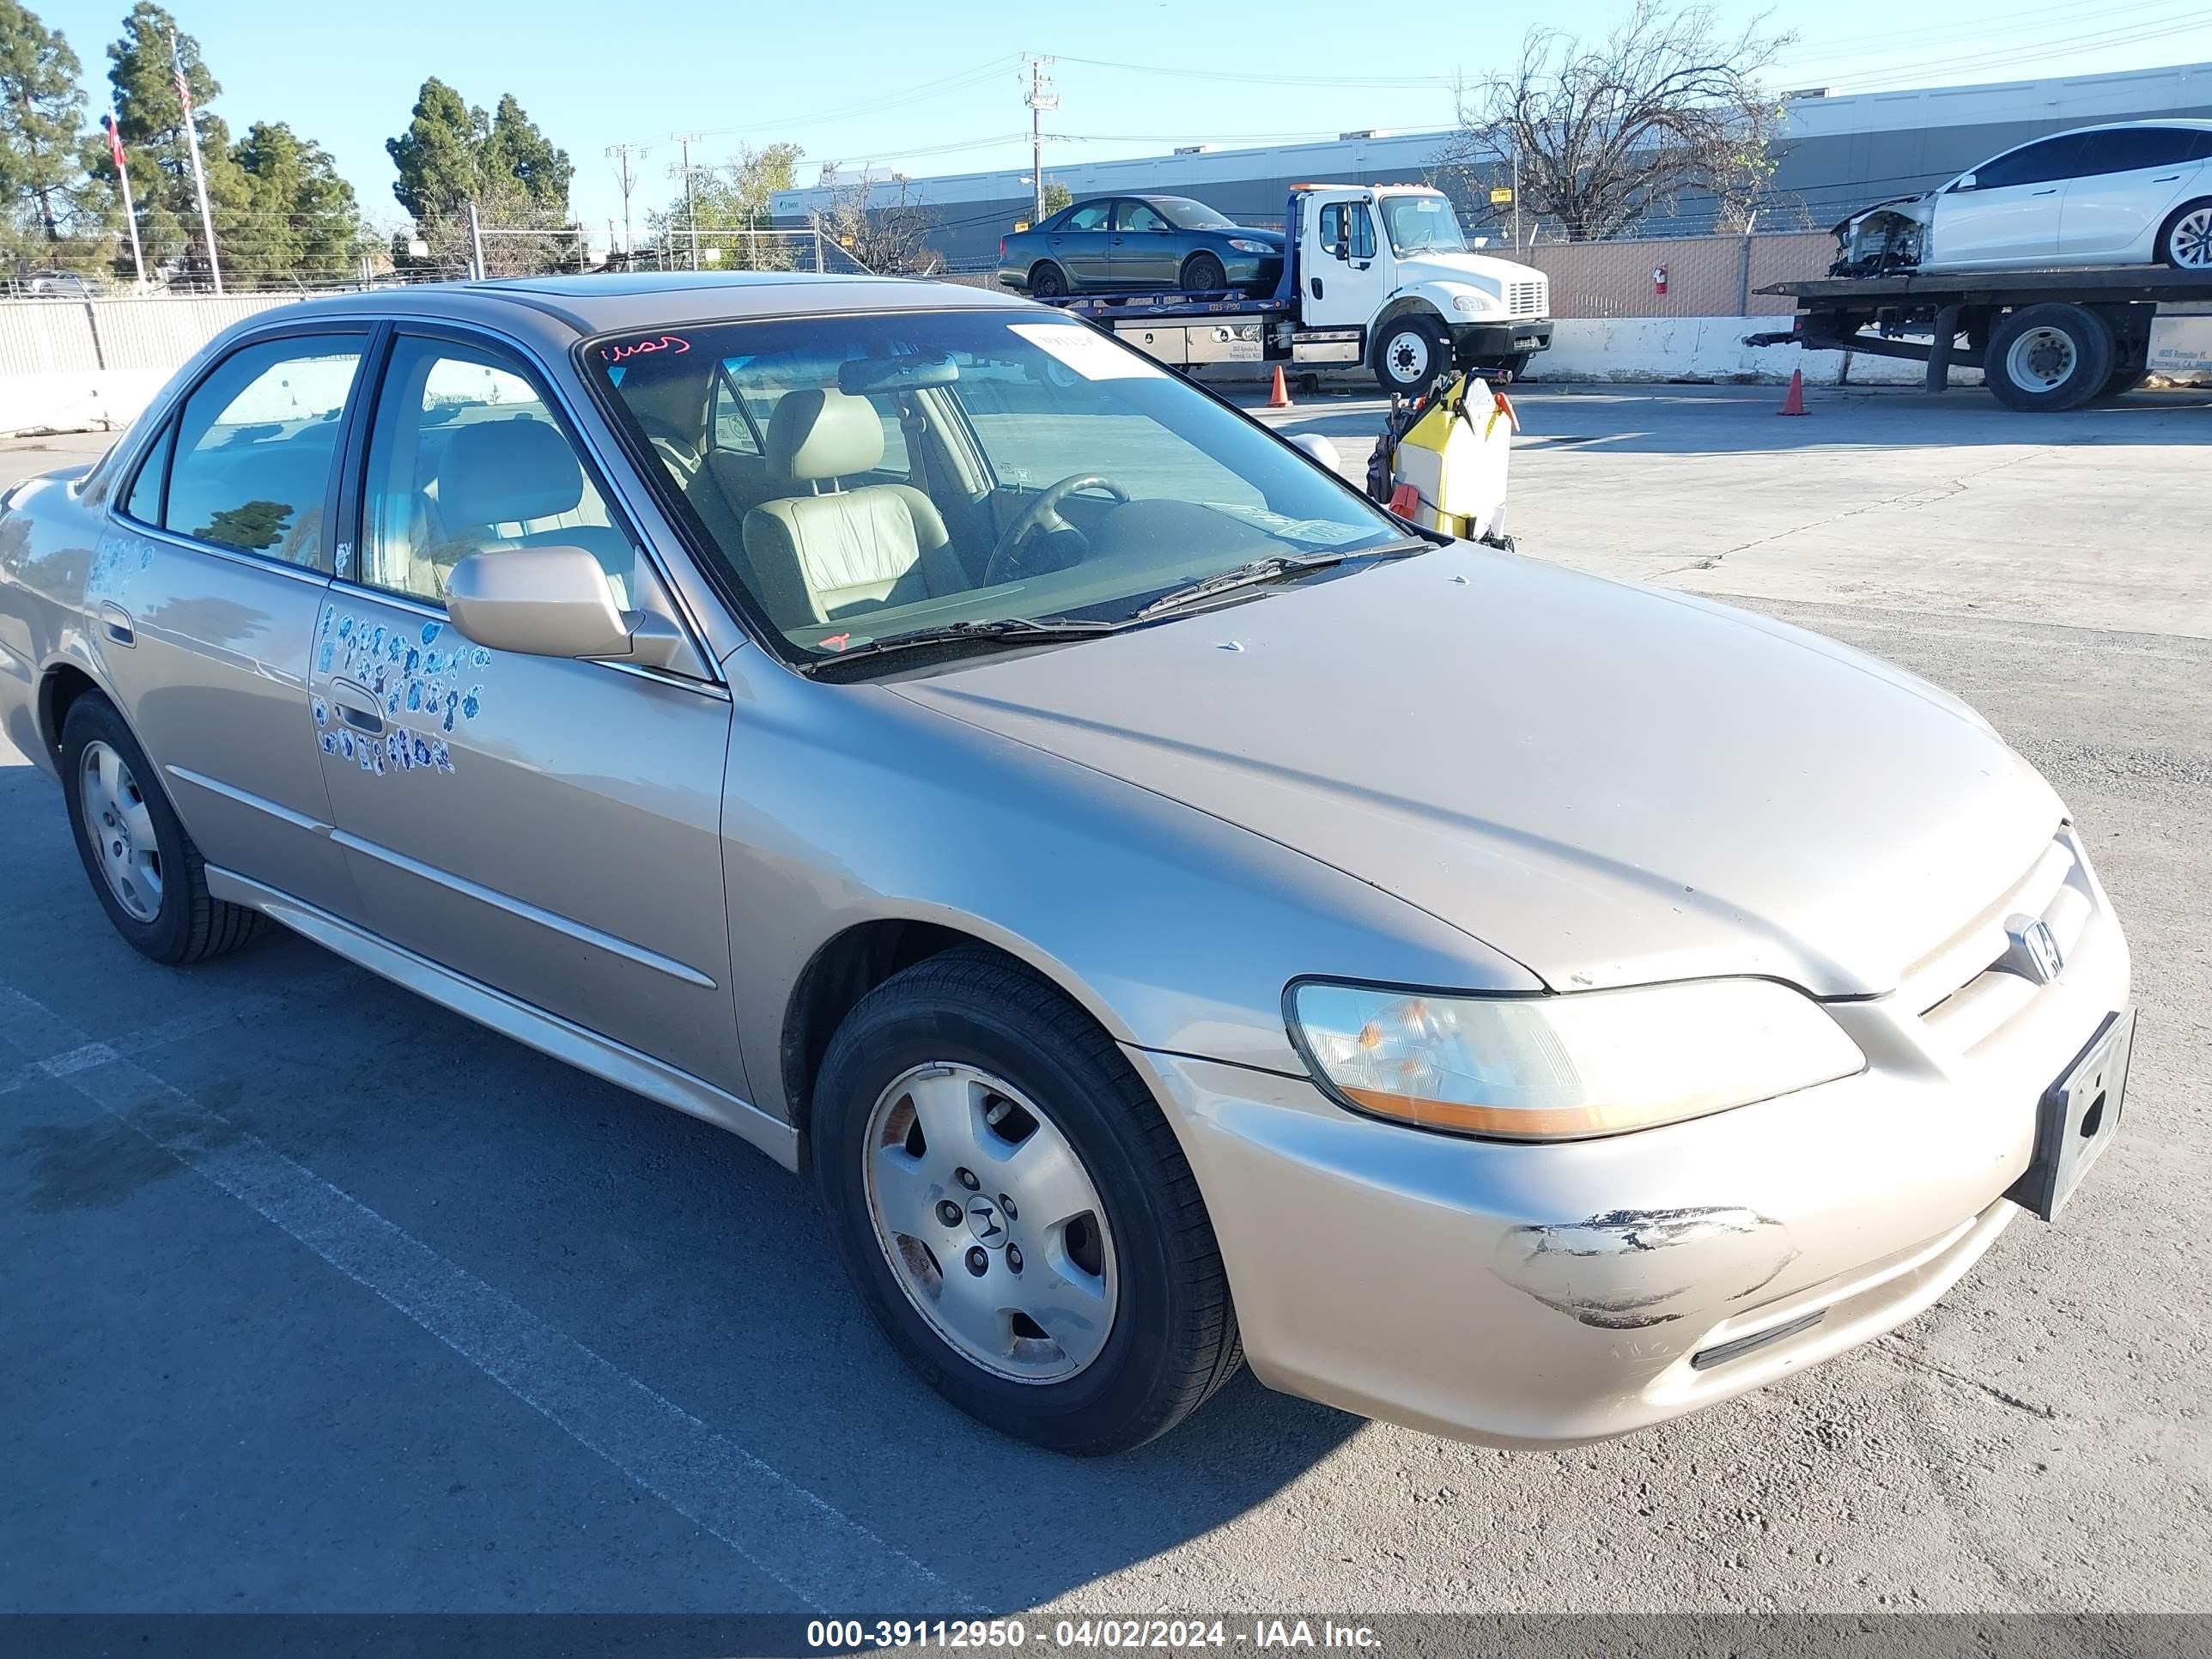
point(114, 135)
point(184, 87)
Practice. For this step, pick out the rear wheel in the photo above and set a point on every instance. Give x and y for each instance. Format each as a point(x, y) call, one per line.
point(1047, 281)
point(1015, 1212)
point(145, 871)
point(1409, 354)
point(2049, 357)
point(1202, 274)
point(2186, 241)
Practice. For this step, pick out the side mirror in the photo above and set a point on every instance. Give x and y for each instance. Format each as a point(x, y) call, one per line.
point(1966, 182)
point(1318, 449)
point(552, 602)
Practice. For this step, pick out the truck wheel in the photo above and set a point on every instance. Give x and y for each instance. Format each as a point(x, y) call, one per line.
point(144, 869)
point(1015, 1212)
point(2186, 241)
point(1202, 274)
point(2049, 357)
point(1409, 354)
point(1047, 281)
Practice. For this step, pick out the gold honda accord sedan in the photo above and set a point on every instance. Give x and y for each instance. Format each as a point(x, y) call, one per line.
point(1177, 914)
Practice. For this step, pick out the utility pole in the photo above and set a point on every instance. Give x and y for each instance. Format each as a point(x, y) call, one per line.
point(1042, 98)
point(621, 153)
point(691, 204)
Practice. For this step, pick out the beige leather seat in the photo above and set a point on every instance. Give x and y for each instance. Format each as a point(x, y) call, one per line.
point(820, 554)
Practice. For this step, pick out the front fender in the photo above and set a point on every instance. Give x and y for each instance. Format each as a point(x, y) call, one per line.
point(1175, 930)
point(1441, 298)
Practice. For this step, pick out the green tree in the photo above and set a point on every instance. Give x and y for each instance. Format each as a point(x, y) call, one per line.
point(301, 223)
point(453, 154)
point(1056, 197)
point(42, 118)
point(732, 203)
point(153, 124)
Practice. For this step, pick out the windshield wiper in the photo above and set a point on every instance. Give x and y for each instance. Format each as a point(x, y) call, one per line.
point(992, 630)
point(1275, 567)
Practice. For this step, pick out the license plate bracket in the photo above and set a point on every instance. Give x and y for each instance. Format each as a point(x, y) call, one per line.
point(2078, 1118)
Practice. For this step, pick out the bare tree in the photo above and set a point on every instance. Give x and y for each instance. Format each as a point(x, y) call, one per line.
point(878, 223)
point(1607, 132)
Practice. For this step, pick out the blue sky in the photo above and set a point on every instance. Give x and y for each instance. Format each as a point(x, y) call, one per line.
point(928, 88)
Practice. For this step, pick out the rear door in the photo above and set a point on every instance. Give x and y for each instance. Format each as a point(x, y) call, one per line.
point(547, 827)
point(1146, 249)
point(2010, 216)
point(205, 596)
point(1080, 244)
point(2131, 178)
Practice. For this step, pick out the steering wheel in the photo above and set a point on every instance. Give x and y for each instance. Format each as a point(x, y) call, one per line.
point(1043, 513)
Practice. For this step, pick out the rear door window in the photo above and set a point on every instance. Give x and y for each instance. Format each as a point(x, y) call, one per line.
point(253, 447)
point(1091, 215)
point(2129, 150)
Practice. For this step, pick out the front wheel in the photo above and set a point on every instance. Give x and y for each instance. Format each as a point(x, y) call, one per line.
point(2049, 357)
point(1409, 354)
point(1202, 274)
point(1015, 1212)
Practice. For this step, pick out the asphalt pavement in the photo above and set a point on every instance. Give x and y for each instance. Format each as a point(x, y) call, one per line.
point(317, 1297)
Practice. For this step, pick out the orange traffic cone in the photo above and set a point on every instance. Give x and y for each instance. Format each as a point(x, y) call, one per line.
point(1281, 397)
point(1795, 403)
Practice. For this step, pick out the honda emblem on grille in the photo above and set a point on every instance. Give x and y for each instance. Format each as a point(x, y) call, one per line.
point(2032, 951)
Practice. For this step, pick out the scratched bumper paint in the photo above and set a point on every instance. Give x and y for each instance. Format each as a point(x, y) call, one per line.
point(1547, 1294)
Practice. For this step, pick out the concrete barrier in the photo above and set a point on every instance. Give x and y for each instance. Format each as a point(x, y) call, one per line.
point(83, 400)
point(1707, 348)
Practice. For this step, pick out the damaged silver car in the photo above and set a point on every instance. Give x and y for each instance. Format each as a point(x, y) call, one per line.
point(1175, 914)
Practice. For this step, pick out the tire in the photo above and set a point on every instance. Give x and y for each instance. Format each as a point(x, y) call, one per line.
point(2120, 382)
point(2049, 357)
point(2184, 241)
point(160, 904)
point(996, 1058)
point(1409, 354)
point(1203, 274)
point(1047, 281)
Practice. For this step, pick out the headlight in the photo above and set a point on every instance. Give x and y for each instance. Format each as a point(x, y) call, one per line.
point(1473, 302)
point(1243, 246)
point(1566, 1067)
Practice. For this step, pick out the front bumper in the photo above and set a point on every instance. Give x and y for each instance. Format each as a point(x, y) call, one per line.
point(1490, 342)
point(1547, 1294)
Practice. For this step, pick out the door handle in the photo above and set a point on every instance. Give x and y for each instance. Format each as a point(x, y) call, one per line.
point(115, 622)
point(2053, 190)
point(357, 706)
point(2167, 179)
point(1317, 287)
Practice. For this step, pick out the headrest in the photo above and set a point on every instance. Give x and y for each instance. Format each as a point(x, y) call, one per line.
point(823, 434)
point(502, 471)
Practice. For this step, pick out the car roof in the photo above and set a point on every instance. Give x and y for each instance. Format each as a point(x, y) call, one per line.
point(614, 301)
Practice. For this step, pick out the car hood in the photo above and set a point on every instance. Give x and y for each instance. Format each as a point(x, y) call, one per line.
point(1482, 268)
point(1897, 205)
point(1610, 784)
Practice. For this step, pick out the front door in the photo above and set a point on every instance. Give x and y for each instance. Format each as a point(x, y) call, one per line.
point(548, 827)
point(2010, 216)
point(205, 591)
point(1345, 283)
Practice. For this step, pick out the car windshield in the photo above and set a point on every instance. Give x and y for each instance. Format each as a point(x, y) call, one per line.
point(865, 476)
point(1422, 224)
point(1186, 214)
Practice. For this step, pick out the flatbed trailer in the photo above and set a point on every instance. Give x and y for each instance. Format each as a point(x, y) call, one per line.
point(2044, 339)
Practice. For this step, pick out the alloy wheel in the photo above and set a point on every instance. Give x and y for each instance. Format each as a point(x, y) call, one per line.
point(991, 1223)
point(121, 828)
point(2189, 244)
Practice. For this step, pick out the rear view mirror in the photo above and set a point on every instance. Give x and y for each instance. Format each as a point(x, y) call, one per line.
point(858, 376)
point(552, 602)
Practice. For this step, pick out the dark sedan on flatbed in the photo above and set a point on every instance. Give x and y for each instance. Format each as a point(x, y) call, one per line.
point(1126, 244)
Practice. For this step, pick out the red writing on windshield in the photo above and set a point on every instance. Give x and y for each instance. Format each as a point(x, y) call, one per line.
point(615, 354)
